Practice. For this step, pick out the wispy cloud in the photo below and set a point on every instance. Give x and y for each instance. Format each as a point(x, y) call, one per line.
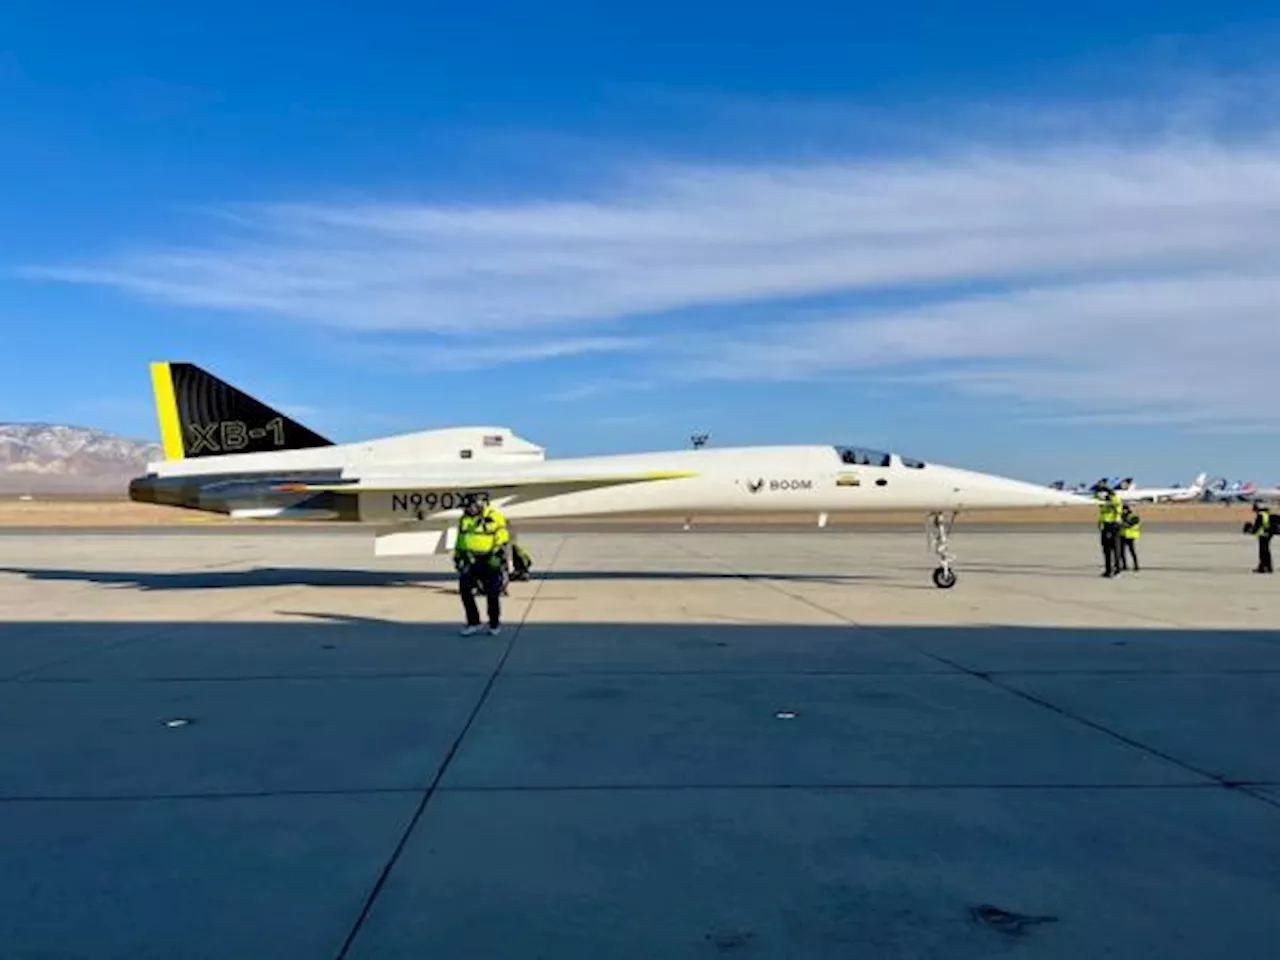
point(1196, 421)
point(574, 392)
point(1193, 347)
point(592, 389)
point(479, 352)
point(627, 420)
point(690, 236)
point(1122, 268)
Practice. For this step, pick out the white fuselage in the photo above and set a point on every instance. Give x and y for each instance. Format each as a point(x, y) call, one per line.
point(783, 479)
point(419, 479)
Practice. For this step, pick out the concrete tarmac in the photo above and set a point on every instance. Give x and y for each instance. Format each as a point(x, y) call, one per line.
point(782, 745)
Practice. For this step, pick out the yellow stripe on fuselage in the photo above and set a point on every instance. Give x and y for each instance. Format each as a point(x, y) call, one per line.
point(167, 411)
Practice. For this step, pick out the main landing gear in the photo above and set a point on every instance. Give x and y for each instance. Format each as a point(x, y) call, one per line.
point(938, 528)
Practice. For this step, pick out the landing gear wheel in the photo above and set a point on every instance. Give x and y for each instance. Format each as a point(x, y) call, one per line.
point(938, 528)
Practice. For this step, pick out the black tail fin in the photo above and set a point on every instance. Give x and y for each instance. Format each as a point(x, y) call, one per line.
point(201, 416)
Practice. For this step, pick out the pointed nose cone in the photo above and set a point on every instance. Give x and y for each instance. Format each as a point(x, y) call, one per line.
point(989, 491)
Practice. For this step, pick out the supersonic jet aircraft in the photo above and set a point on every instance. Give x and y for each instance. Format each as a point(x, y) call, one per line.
point(228, 453)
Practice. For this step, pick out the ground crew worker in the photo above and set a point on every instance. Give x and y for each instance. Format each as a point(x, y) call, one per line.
point(1130, 531)
point(1109, 506)
point(478, 556)
point(1264, 528)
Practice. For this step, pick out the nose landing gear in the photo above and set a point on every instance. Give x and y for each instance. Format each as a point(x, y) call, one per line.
point(938, 527)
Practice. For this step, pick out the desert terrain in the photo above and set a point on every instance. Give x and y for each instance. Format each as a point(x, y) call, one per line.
point(119, 512)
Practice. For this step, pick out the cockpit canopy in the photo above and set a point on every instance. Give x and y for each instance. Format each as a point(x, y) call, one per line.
point(863, 457)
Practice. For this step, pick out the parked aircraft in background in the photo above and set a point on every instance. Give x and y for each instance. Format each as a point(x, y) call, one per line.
point(1132, 494)
point(228, 453)
point(1270, 494)
point(1079, 489)
point(1220, 490)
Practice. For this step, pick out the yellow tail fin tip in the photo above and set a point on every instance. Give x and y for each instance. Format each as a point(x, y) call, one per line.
point(167, 411)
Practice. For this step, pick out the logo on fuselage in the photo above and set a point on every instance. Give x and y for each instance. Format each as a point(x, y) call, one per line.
point(755, 486)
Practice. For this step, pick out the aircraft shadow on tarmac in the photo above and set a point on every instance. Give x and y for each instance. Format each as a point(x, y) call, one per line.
point(815, 759)
point(333, 577)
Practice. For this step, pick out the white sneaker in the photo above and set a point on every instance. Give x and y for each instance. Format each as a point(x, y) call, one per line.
point(494, 631)
point(470, 631)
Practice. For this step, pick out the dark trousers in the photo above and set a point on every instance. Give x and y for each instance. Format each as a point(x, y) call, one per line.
point(1128, 548)
point(481, 573)
point(1110, 548)
point(1264, 555)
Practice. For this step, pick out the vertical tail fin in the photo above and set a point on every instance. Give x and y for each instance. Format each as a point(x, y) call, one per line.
point(201, 416)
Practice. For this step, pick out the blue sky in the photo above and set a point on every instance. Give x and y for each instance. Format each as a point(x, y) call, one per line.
point(1041, 240)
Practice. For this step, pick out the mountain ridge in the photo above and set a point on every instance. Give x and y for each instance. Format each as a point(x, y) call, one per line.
point(44, 457)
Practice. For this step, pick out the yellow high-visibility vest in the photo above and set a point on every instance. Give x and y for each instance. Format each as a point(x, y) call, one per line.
point(482, 534)
point(1109, 509)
